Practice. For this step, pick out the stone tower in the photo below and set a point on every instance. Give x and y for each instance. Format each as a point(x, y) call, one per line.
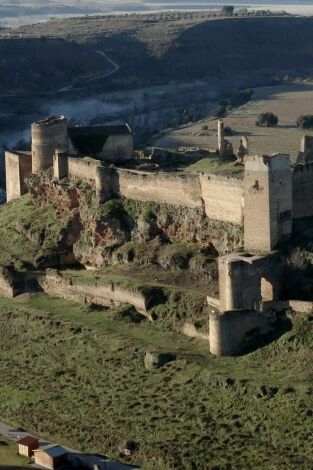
point(47, 136)
point(224, 147)
point(220, 135)
point(267, 201)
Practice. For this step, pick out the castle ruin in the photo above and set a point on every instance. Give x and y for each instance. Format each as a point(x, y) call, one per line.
point(263, 203)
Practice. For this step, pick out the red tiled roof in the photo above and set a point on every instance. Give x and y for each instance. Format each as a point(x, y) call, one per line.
point(28, 441)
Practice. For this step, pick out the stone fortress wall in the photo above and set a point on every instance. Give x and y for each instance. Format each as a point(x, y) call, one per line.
point(302, 184)
point(220, 197)
point(18, 166)
point(223, 198)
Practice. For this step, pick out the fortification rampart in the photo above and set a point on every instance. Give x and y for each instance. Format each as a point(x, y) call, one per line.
point(302, 182)
point(18, 166)
point(84, 169)
point(228, 333)
point(222, 197)
point(106, 295)
point(176, 190)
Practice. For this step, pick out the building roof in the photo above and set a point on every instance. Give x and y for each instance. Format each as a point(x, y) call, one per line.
point(108, 130)
point(54, 450)
point(28, 440)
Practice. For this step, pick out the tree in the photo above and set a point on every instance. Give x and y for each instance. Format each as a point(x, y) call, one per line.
point(267, 120)
point(220, 111)
point(228, 10)
point(305, 121)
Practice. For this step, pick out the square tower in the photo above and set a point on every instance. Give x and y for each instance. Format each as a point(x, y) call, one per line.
point(267, 201)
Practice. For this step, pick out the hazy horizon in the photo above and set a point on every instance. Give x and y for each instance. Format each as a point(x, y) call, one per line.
point(31, 11)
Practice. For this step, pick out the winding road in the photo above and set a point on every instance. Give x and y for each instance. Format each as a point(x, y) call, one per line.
point(115, 68)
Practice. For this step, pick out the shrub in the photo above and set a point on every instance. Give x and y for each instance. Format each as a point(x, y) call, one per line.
point(267, 120)
point(220, 111)
point(228, 131)
point(305, 121)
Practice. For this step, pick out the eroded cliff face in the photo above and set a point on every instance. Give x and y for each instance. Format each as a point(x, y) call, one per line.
point(122, 230)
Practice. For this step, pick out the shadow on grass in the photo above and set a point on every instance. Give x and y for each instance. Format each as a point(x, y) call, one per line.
point(254, 340)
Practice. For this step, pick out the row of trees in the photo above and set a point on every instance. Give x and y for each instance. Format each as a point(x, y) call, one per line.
point(305, 121)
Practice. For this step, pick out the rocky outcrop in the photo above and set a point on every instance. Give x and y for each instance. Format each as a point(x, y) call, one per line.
point(154, 360)
point(98, 230)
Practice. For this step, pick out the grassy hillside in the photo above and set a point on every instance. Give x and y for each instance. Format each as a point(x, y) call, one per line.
point(29, 234)
point(77, 375)
point(155, 48)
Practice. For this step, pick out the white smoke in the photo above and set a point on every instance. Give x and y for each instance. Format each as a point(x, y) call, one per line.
point(86, 110)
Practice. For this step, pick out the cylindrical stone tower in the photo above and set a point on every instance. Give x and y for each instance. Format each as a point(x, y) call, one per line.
point(47, 136)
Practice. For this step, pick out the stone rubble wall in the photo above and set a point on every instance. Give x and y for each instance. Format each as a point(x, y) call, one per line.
point(106, 295)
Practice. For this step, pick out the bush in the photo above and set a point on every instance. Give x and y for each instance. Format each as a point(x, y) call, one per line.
point(305, 121)
point(220, 111)
point(267, 120)
point(228, 131)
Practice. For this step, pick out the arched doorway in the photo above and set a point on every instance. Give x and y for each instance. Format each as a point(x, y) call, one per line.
point(267, 292)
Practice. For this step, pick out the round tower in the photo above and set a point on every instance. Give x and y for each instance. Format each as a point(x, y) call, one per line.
point(47, 136)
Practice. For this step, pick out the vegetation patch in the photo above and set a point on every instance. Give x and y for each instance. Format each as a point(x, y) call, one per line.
point(30, 235)
point(90, 389)
point(9, 458)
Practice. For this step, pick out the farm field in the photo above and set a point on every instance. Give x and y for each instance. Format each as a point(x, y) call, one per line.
point(288, 101)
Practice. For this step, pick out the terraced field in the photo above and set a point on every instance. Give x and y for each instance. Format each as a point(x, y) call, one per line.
point(288, 101)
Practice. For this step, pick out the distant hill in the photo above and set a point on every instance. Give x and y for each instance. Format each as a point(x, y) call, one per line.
point(152, 49)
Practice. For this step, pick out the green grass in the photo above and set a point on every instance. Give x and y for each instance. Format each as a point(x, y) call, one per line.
point(77, 376)
point(27, 232)
point(216, 166)
point(9, 458)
